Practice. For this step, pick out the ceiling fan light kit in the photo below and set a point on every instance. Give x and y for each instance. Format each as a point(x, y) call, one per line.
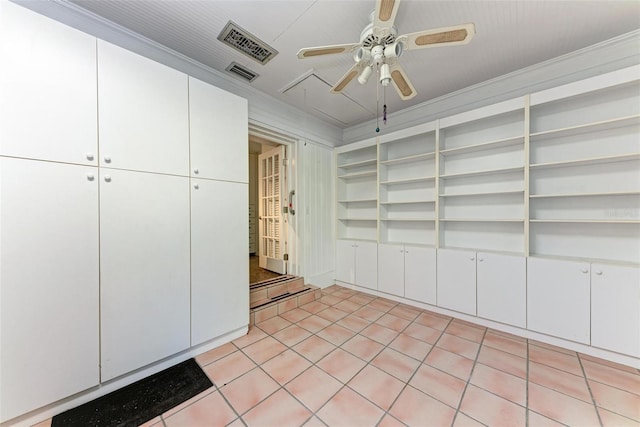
point(381, 47)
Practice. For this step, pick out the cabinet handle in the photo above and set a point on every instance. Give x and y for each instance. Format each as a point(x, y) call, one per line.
point(107, 159)
point(107, 178)
point(480, 259)
point(89, 156)
point(584, 270)
point(598, 273)
point(90, 177)
point(196, 186)
point(472, 258)
point(196, 171)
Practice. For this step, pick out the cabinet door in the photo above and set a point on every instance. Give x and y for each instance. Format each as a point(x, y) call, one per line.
point(144, 269)
point(143, 113)
point(391, 269)
point(218, 123)
point(48, 283)
point(502, 288)
point(345, 261)
point(457, 280)
point(558, 300)
point(615, 308)
point(420, 274)
point(48, 98)
point(219, 264)
point(366, 264)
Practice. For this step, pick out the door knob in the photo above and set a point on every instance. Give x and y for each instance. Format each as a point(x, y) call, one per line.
point(598, 273)
point(90, 177)
point(196, 186)
point(89, 156)
point(107, 159)
point(107, 178)
point(196, 171)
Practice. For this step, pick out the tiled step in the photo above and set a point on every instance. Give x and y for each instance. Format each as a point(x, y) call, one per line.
point(272, 299)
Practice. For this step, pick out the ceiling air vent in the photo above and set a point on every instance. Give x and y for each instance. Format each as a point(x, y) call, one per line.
point(247, 43)
point(240, 71)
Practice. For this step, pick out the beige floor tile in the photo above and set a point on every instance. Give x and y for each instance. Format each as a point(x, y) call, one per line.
point(440, 385)
point(348, 408)
point(500, 383)
point(363, 347)
point(324, 387)
point(263, 350)
point(292, 335)
point(341, 365)
point(461, 346)
point(560, 407)
point(279, 409)
point(228, 368)
point(415, 408)
point(210, 410)
point(410, 346)
point(396, 364)
point(615, 400)
point(314, 348)
point(560, 381)
point(248, 390)
point(377, 386)
point(286, 366)
point(490, 409)
point(451, 363)
point(336, 334)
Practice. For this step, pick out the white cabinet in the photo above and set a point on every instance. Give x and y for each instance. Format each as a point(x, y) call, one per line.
point(408, 271)
point(457, 280)
point(391, 269)
point(502, 288)
point(144, 269)
point(356, 263)
point(218, 133)
point(615, 308)
point(48, 102)
point(219, 265)
point(558, 298)
point(143, 113)
point(49, 334)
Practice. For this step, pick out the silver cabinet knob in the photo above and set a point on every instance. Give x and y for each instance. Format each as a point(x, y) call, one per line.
point(472, 258)
point(107, 178)
point(107, 159)
point(480, 259)
point(196, 171)
point(598, 273)
point(90, 177)
point(584, 270)
point(196, 186)
point(89, 156)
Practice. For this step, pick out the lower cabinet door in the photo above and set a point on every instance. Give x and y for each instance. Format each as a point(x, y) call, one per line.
point(558, 298)
point(457, 280)
point(391, 269)
point(420, 274)
point(366, 264)
point(49, 333)
point(144, 269)
point(345, 261)
point(219, 266)
point(615, 308)
point(502, 288)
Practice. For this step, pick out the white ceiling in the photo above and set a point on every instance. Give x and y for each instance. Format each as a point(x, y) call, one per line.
point(510, 35)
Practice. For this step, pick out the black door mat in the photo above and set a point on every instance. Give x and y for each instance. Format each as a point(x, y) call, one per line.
point(141, 401)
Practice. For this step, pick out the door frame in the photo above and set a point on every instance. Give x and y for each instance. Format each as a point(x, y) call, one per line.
point(261, 134)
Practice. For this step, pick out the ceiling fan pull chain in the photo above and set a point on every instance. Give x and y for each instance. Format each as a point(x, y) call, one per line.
point(384, 108)
point(377, 104)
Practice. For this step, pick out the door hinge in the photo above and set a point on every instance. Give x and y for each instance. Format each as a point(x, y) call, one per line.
point(286, 257)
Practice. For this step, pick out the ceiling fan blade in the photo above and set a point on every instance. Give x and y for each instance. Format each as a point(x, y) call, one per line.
point(384, 16)
point(346, 79)
point(449, 36)
point(401, 82)
point(309, 52)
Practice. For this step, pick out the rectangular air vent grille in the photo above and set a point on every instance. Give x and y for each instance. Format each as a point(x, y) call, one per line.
point(240, 71)
point(247, 43)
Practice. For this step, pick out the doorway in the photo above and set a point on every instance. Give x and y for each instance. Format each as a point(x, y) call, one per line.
point(269, 183)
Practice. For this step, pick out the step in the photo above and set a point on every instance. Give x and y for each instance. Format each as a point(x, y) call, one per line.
point(264, 291)
point(283, 302)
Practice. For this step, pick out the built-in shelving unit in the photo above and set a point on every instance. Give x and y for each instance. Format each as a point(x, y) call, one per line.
point(552, 174)
point(585, 169)
point(482, 179)
point(357, 192)
point(407, 186)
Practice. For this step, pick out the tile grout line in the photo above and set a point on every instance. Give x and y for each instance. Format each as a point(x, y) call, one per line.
point(586, 380)
point(466, 386)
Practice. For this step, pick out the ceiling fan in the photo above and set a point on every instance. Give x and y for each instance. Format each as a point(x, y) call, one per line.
point(380, 46)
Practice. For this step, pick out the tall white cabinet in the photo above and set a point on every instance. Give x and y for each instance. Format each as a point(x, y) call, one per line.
point(115, 257)
point(530, 206)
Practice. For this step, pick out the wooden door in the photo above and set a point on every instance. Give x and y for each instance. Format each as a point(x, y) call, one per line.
point(272, 229)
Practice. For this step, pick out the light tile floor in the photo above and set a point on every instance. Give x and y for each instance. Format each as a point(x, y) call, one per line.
point(351, 359)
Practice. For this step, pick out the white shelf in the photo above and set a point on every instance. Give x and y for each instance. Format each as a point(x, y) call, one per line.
point(589, 161)
point(619, 193)
point(358, 201)
point(357, 175)
point(587, 221)
point(408, 159)
point(506, 142)
point(483, 172)
point(368, 162)
point(483, 250)
point(587, 127)
point(408, 202)
point(480, 220)
point(493, 193)
point(357, 219)
point(409, 181)
point(409, 219)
